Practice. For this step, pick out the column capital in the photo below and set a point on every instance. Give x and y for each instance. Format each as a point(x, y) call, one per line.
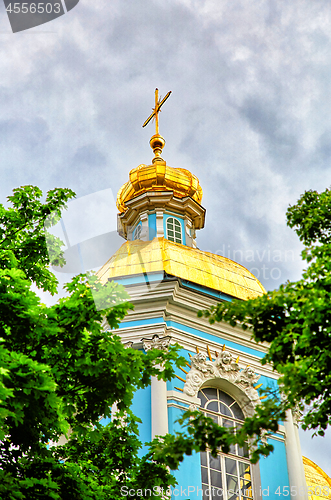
point(156, 342)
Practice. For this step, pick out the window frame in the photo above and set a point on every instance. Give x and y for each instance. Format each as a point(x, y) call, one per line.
point(179, 230)
point(240, 478)
point(137, 229)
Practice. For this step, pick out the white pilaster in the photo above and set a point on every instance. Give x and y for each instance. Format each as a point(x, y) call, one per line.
point(159, 224)
point(298, 485)
point(159, 407)
point(145, 230)
point(158, 390)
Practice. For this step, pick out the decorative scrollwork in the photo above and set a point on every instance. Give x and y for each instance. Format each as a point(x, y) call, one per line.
point(156, 342)
point(224, 367)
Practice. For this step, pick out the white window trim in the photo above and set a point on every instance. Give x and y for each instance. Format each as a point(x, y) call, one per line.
point(173, 221)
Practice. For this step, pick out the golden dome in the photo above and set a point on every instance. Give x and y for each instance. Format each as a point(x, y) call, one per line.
point(318, 482)
point(159, 177)
point(202, 268)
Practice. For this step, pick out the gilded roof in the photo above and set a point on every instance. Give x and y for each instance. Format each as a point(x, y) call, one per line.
point(318, 482)
point(202, 268)
point(159, 177)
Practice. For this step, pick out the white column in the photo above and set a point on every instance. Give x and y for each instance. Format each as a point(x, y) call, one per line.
point(298, 485)
point(159, 407)
point(158, 390)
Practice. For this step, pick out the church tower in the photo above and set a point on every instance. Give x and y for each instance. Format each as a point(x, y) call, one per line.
point(169, 280)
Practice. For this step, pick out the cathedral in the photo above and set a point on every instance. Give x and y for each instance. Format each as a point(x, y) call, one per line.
point(169, 280)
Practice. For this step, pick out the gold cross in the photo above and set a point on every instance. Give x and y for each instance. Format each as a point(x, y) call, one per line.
point(156, 110)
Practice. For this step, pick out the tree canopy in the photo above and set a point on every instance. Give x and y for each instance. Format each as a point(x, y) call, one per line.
point(296, 319)
point(60, 371)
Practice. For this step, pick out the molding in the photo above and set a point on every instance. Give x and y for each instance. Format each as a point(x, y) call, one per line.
point(281, 428)
point(172, 302)
point(181, 305)
point(135, 334)
point(277, 437)
point(181, 397)
point(294, 457)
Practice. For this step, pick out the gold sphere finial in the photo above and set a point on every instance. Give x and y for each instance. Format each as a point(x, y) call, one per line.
point(157, 142)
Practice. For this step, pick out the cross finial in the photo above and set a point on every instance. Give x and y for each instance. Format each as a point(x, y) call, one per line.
point(157, 142)
point(156, 110)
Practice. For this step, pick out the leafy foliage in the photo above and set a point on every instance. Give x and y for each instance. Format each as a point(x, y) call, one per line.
point(60, 371)
point(22, 232)
point(296, 319)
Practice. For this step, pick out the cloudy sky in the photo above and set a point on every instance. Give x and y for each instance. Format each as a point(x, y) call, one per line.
point(249, 114)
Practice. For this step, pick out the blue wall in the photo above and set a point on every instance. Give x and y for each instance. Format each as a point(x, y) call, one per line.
point(189, 472)
point(273, 470)
point(141, 407)
point(152, 226)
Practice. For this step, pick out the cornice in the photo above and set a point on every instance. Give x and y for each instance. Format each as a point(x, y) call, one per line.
point(192, 342)
point(175, 303)
point(163, 200)
point(171, 301)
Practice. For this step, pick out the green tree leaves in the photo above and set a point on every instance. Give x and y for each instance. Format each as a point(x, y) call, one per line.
point(296, 319)
point(60, 371)
point(22, 231)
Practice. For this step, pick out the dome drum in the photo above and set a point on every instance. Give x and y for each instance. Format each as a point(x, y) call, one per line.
point(160, 203)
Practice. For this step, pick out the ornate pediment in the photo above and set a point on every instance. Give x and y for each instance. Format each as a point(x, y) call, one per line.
point(223, 367)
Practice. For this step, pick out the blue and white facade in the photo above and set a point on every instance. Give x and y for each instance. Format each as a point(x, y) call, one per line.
point(168, 313)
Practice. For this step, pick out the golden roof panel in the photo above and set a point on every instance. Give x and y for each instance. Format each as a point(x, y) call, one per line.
point(203, 268)
point(159, 177)
point(318, 482)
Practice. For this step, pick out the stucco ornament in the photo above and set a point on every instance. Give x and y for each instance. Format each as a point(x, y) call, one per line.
point(224, 367)
point(156, 342)
point(128, 345)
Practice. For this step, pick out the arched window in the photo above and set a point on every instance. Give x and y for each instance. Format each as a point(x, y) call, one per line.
point(227, 476)
point(137, 233)
point(174, 230)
